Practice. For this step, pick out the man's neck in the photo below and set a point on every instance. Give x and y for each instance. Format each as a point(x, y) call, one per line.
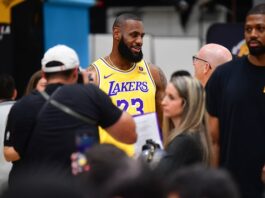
point(119, 62)
point(58, 81)
point(257, 60)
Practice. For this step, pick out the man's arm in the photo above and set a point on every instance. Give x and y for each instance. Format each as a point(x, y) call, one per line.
point(116, 122)
point(10, 154)
point(124, 130)
point(9, 151)
point(213, 127)
point(161, 83)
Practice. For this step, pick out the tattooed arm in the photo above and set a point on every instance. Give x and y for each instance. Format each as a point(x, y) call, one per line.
point(91, 69)
point(161, 82)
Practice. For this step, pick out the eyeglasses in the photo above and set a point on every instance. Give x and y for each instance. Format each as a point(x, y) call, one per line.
point(194, 58)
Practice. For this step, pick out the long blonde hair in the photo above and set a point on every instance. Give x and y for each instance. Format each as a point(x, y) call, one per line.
point(193, 115)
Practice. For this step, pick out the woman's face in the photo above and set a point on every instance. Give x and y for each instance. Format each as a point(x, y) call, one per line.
point(41, 85)
point(172, 103)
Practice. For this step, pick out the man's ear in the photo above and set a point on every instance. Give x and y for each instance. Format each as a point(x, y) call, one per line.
point(75, 72)
point(43, 74)
point(116, 33)
point(207, 67)
point(14, 94)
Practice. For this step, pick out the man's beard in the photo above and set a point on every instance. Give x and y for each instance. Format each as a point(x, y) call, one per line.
point(256, 51)
point(127, 53)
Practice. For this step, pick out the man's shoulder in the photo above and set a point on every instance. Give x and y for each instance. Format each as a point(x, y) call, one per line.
point(153, 68)
point(231, 66)
point(78, 90)
point(98, 62)
point(6, 106)
point(184, 139)
point(28, 101)
point(158, 75)
point(7, 103)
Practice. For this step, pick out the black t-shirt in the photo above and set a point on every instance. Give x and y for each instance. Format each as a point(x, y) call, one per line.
point(20, 125)
point(54, 138)
point(236, 95)
point(22, 118)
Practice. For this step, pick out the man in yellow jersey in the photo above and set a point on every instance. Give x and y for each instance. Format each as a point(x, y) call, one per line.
point(133, 84)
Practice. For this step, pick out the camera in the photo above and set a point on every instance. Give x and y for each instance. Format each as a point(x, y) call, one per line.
point(151, 153)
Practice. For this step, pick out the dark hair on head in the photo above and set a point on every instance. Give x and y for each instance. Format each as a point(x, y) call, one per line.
point(198, 181)
point(124, 17)
point(65, 74)
point(7, 86)
point(135, 179)
point(43, 182)
point(179, 73)
point(258, 9)
point(54, 63)
point(102, 166)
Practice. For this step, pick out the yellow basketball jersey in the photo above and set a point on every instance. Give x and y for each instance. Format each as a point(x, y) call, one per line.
point(132, 90)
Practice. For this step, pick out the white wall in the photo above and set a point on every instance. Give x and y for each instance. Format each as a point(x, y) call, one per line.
point(169, 53)
point(175, 53)
point(101, 44)
point(165, 20)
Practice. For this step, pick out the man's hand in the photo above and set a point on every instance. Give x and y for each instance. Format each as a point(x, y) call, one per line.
point(88, 77)
point(11, 154)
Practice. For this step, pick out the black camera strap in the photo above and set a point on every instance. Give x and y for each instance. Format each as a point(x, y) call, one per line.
point(66, 109)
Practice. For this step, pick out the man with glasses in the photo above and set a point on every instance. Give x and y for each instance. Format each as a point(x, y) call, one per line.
point(207, 59)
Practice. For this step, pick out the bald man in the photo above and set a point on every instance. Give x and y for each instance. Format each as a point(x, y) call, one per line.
point(207, 59)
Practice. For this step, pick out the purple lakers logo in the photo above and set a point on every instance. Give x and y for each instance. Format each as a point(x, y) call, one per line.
point(141, 69)
point(115, 87)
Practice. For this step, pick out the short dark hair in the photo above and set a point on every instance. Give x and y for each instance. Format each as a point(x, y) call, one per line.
point(179, 73)
point(66, 73)
point(124, 17)
point(198, 181)
point(258, 9)
point(51, 184)
point(135, 179)
point(7, 86)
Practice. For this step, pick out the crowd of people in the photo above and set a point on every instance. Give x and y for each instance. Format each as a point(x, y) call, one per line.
point(68, 137)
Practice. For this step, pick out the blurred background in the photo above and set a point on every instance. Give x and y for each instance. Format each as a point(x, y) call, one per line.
point(175, 30)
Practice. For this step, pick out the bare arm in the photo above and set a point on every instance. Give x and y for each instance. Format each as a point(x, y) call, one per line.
point(161, 83)
point(124, 129)
point(11, 154)
point(213, 126)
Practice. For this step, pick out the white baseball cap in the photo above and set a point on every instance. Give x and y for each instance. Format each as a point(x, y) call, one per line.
point(62, 54)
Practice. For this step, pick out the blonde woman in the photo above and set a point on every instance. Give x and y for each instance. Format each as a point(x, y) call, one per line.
point(186, 139)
